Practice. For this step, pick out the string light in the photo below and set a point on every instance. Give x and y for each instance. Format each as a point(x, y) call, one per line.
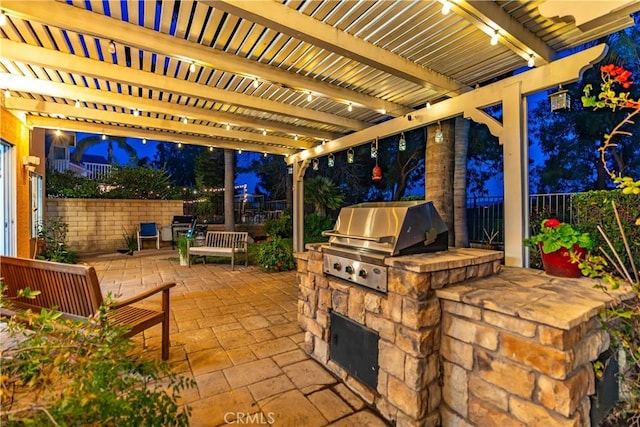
point(3, 19)
point(104, 136)
point(144, 141)
point(350, 108)
point(7, 93)
point(494, 38)
point(211, 148)
point(256, 83)
point(428, 105)
point(239, 151)
point(112, 47)
point(179, 144)
point(77, 104)
point(136, 112)
point(228, 126)
point(446, 7)
point(531, 62)
point(309, 97)
point(185, 120)
point(192, 67)
point(295, 137)
point(264, 155)
point(264, 132)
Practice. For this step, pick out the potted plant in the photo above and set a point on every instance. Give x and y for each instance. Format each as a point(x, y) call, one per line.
point(183, 243)
point(562, 247)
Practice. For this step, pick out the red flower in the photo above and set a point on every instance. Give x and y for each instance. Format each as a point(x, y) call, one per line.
point(279, 264)
point(551, 223)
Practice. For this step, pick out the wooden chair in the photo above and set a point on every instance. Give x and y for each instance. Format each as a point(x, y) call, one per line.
point(74, 290)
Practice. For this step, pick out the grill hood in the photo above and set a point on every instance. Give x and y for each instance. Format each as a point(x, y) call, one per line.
point(392, 228)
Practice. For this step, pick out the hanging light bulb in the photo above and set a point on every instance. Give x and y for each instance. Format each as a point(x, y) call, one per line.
point(3, 19)
point(350, 108)
point(402, 143)
point(185, 120)
point(7, 93)
point(228, 126)
point(192, 67)
point(239, 151)
point(494, 38)
point(315, 164)
point(264, 132)
point(374, 149)
point(309, 97)
point(179, 144)
point(58, 132)
point(112, 47)
point(295, 137)
point(77, 104)
point(264, 155)
point(104, 136)
point(144, 141)
point(428, 105)
point(446, 7)
point(256, 83)
point(210, 148)
point(351, 155)
point(331, 160)
point(531, 62)
point(136, 112)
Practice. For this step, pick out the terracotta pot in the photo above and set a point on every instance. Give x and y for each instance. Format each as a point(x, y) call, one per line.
point(559, 264)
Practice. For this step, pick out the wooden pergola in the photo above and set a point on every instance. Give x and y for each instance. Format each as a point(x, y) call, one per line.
point(298, 78)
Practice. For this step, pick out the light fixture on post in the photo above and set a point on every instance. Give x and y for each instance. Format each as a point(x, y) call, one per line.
point(351, 155)
point(331, 160)
point(531, 62)
point(374, 149)
point(112, 47)
point(402, 143)
point(560, 100)
point(494, 38)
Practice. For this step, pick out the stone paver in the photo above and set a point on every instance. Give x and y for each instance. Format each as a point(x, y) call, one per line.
point(236, 334)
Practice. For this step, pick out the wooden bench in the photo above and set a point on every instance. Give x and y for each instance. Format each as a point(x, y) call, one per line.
point(74, 290)
point(222, 243)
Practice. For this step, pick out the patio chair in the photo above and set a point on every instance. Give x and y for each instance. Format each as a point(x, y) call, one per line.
point(148, 230)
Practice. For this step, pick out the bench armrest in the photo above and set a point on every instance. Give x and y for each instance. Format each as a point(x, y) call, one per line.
point(162, 288)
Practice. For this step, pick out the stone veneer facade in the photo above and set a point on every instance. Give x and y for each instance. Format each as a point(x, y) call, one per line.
point(407, 320)
point(462, 346)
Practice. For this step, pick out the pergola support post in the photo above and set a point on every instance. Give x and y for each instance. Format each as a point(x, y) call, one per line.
point(299, 168)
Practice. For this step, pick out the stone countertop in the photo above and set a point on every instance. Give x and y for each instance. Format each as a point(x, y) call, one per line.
point(533, 295)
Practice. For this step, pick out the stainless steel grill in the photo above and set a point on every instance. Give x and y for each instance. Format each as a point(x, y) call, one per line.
point(367, 233)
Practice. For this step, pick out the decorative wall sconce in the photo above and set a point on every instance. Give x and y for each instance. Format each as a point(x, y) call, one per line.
point(314, 164)
point(560, 100)
point(402, 143)
point(331, 160)
point(350, 155)
point(30, 163)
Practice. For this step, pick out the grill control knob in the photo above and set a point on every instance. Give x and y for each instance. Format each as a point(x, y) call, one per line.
point(337, 266)
point(348, 269)
point(362, 273)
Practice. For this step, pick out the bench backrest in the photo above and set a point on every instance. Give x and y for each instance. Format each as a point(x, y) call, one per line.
point(72, 289)
point(226, 239)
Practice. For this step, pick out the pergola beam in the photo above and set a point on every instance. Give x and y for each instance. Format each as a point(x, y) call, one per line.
point(150, 134)
point(74, 64)
point(283, 19)
point(103, 116)
point(61, 15)
point(89, 95)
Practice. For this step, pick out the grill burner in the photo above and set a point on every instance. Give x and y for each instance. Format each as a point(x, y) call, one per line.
point(366, 233)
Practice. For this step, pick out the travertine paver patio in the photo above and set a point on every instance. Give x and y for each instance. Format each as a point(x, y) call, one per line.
point(236, 334)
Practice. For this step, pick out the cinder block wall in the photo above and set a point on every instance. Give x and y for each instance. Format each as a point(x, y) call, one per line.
point(96, 225)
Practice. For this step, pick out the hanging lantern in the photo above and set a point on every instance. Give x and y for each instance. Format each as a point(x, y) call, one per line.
point(560, 100)
point(376, 174)
point(331, 160)
point(315, 164)
point(290, 170)
point(350, 155)
point(374, 149)
point(402, 143)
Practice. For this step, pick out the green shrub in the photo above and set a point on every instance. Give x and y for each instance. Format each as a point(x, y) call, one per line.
point(281, 226)
point(62, 372)
point(53, 233)
point(275, 254)
point(69, 185)
point(594, 209)
point(314, 225)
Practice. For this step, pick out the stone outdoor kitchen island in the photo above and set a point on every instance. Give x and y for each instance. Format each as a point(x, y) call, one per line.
point(463, 341)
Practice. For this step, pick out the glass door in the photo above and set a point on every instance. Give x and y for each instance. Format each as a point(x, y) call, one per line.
point(8, 197)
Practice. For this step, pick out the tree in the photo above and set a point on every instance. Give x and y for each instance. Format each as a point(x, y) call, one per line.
point(178, 161)
point(439, 171)
point(90, 141)
point(484, 155)
point(274, 179)
point(461, 144)
point(322, 194)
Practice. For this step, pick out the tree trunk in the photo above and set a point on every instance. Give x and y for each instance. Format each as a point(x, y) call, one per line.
point(229, 220)
point(461, 146)
point(439, 173)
